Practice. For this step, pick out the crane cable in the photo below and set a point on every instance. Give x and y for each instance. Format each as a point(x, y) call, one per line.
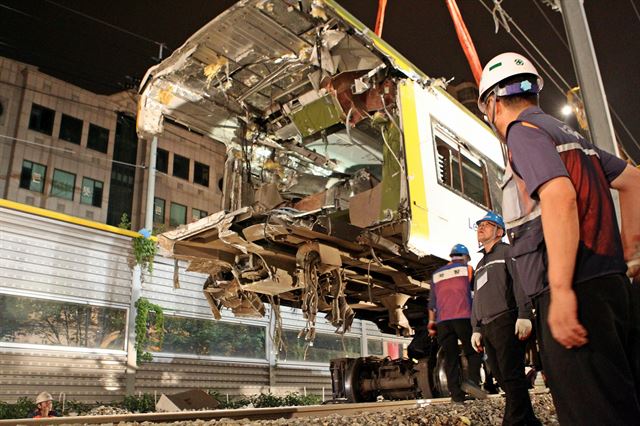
point(382, 6)
point(465, 40)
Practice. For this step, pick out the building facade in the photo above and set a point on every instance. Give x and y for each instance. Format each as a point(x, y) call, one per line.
point(66, 149)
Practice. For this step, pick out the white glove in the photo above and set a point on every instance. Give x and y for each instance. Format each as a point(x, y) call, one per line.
point(523, 328)
point(633, 268)
point(476, 342)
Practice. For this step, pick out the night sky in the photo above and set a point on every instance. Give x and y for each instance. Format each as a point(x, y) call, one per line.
point(55, 36)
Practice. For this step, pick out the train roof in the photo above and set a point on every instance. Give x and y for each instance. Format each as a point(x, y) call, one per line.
point(255, 55)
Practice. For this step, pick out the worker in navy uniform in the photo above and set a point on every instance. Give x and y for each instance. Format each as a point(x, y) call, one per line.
point(500, 318)
point(570, 255)
point(450, 321)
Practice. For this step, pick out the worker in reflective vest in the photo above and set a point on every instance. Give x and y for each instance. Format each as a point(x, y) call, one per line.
point(500, 319)
point(569, 253)
point(44, 404)
point(449, 319)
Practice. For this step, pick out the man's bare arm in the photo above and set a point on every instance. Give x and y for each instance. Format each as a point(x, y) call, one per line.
point(561, 234)
point(628, 186)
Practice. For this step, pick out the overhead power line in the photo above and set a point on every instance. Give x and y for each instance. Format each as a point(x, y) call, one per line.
point(20, 12)
point(553, 27)
point(635, 9)
point(108, 24)
point(543, 69)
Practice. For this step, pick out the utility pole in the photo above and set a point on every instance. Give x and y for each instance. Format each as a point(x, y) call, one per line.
point(151, 184)
point(588, 73)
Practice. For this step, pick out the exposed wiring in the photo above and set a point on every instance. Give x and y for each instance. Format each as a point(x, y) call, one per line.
point(369, 281)
point(384, 106)
point(278, 332)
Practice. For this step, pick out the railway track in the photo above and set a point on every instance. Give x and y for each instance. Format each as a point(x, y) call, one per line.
point(245, 413)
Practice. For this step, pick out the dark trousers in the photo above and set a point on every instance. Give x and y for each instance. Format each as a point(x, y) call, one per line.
point(598, 383)
point(448, 333)
point(505, 355)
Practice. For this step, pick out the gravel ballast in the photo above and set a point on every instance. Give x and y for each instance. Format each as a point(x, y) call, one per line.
point(486, 412)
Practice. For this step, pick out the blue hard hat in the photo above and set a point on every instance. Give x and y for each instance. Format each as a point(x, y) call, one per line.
point(459, 250)
point(493, 218)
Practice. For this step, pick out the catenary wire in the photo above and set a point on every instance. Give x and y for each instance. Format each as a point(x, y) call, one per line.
point(613, 111)
point(543, 69)
point(553, 27)
point(532, 44)
point(59, 27)
point(635, 9)
point(108, 24)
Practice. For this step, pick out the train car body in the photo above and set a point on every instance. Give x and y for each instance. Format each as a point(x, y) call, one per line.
point(349, 175)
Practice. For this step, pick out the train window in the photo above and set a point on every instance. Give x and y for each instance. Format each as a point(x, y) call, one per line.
point(458, 169)
point(325, 347)
point(206, 337)
point(383, 347)
point(374, 347)
point(26, 320)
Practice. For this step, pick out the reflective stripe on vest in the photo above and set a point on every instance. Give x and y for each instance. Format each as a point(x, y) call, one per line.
point(493, 262)
point(460, 271)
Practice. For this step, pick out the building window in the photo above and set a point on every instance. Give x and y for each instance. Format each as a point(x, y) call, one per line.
point(63, 184)
point(458, 169)
point(325, 347)
point(27, 320)
point(91, 192)
point(180, 166)
point(158, 210)
point(162, 160)
point(32, 176)
point(41, 119)
point(177, 215)
point(211, 338)
point(98, 138)
point(197, 214)
point(70, 129)
point(201, 174)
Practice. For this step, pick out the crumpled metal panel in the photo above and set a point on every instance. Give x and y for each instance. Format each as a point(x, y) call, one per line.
point(254, 54)
point(217, 70)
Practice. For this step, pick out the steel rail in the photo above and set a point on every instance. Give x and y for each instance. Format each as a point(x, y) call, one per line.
point(238, 414)
point(342, 409)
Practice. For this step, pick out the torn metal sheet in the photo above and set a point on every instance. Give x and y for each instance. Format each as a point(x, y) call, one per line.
point(332, 191)
point(279, 282)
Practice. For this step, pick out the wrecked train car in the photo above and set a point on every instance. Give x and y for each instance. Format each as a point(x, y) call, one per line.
point(349, 174)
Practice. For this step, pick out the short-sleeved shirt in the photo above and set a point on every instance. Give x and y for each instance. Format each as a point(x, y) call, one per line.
point(450, 295)
point(542, 148)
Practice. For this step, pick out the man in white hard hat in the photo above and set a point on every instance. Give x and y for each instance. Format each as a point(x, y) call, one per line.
point(569, 253)
point(44, 404)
